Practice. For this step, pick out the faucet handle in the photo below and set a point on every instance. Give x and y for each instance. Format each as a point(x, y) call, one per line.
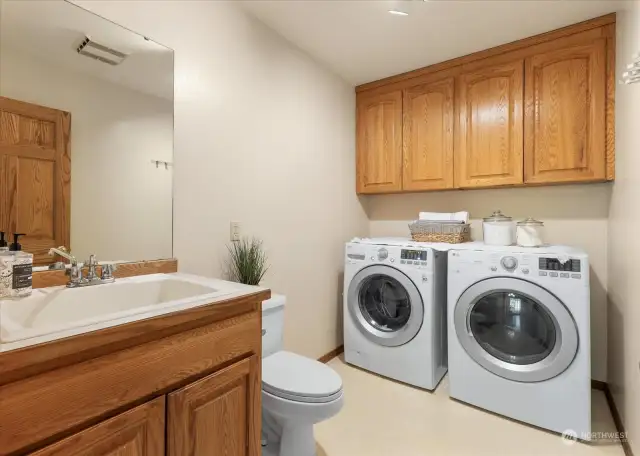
point(75, 275)
point(92, 261)
point(107, 271)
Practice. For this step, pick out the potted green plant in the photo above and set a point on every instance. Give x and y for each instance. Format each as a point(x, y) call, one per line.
point(247, 261)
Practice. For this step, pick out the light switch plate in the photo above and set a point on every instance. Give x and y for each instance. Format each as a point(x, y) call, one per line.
point(234, 231)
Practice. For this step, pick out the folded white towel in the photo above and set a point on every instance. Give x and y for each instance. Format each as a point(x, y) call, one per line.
point(462, 216)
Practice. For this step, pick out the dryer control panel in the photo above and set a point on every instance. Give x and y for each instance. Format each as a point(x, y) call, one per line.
point(536, 266)
point(420, 255)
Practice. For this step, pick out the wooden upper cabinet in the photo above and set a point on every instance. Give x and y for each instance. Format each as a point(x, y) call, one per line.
point(536, 111)
point(489, 146)
point(379, 143)
point(35, 173)
point(428, 136)
point(137, 432)
point(218, 415)
point(565, 96)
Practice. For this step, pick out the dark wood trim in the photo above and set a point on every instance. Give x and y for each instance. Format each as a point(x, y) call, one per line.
point(43, 279)
point(37, 359)
point(332, 354)
point(509, 47)
point(615, 414)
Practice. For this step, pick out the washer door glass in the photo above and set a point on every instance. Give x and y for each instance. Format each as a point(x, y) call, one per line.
point(516, 329)
point(384, 303)
point(513, 327)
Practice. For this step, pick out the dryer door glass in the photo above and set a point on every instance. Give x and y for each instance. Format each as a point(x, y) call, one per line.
point(513, 327)
point(384, 303)
point(516, 329)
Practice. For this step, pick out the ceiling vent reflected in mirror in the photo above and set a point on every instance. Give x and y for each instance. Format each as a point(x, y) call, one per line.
point(100, 52)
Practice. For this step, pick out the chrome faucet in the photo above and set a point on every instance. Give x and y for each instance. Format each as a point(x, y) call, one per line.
point(75, 271)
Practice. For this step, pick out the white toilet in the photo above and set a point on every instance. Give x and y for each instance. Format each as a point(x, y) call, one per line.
point(297, 392)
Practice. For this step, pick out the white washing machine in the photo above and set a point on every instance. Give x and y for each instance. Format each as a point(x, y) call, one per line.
point(518, 323)
point(395, 310)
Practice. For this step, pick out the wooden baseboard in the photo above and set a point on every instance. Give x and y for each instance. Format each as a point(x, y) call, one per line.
point(332, 354)
point(617, 419)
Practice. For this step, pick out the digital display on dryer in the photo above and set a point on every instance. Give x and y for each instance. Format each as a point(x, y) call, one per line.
point(553, 264)
point(419, 255)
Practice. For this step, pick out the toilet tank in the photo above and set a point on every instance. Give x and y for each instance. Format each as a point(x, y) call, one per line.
point(272, 324)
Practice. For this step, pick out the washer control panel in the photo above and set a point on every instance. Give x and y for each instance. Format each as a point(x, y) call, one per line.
point(509, 263)
point(397, 256)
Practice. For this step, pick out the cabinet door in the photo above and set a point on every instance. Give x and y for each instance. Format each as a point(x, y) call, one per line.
point(35, 174)
point(137, 432)
point(489, 144)
point(428, 136)
point(218, 415)
point(379, 143)
point(565, 114)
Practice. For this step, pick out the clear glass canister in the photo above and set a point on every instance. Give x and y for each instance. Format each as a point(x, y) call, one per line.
point(498, 229)
point(530, 233)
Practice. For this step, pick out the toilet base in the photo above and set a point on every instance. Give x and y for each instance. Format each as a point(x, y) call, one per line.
point(287, 439)
point(287, 425)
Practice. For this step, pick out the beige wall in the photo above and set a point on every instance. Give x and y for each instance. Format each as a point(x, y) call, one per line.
point(574, 215)
point(121, 207)
point(624, 240)
point(264, 136)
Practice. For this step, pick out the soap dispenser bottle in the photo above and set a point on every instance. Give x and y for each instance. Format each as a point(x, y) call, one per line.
point(16, 270)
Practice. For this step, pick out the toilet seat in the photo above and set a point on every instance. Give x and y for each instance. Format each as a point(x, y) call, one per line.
point(300, 379)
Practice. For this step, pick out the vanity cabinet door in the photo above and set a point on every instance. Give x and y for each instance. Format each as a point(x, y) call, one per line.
point(379, 143)
point(137, 432)
point(35, 176)
point(219, 414)
point(489, 146)
point(565, 116)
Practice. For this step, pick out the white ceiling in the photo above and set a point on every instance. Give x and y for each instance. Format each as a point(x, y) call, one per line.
point(51, 31)
point(362, 42)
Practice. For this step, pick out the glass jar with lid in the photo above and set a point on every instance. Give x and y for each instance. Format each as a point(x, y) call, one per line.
point(498, 229)
point(530, 233)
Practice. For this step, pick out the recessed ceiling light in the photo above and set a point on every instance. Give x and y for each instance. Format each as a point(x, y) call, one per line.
point(398, 13)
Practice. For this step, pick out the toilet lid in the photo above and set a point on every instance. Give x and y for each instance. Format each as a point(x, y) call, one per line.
point(297, 378)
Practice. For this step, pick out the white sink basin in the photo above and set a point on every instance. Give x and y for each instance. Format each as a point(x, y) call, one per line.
point(60, 311)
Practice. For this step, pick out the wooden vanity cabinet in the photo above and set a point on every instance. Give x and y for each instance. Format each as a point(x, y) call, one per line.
point(136, 432)
point(217, 415)
point(534, 112)
point(182, 384)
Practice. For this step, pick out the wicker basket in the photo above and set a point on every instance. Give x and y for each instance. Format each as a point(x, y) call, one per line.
point(450, 233)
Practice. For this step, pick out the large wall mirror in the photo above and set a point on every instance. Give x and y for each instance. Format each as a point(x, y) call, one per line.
point(86, 134)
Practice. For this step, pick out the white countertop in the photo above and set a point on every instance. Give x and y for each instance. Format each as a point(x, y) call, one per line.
point(225, 291)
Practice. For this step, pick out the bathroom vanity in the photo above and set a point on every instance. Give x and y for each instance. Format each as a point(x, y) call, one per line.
point(162, 373)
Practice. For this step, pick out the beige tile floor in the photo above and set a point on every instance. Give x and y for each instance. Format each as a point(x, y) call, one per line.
point(386, 418)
